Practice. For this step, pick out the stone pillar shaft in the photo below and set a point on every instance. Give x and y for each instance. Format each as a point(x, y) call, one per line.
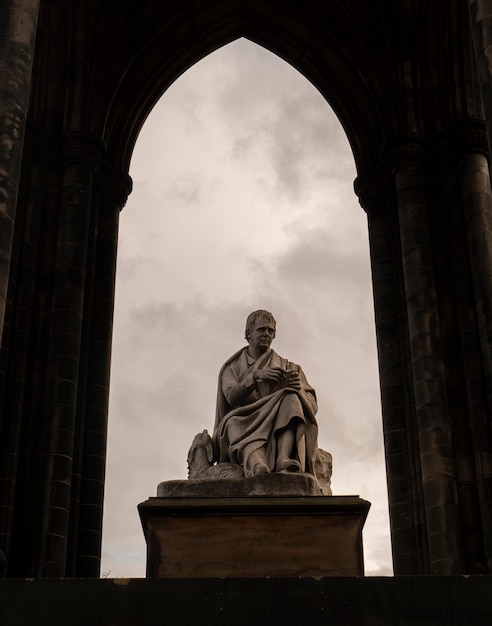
point(18, 398)
point(18, 21)
point(390, 330)
point(82, 155)
point(477, 203)
point(481, 26)
point(431, 403)
point(115, 187)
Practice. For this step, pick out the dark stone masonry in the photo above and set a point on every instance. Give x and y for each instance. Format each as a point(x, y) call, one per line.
point(408, 601)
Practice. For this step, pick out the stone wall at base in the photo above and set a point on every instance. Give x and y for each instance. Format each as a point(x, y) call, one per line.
point(412, 601)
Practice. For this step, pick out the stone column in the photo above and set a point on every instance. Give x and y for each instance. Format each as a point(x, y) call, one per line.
point(407, 157)
point(18, 21)
point(82, 154)
point(17, 414)
point(115, 187)
point(404, 502)
point(476, 194)
point(481, 27)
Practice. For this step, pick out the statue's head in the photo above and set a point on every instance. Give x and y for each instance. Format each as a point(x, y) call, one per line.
point(254, 317)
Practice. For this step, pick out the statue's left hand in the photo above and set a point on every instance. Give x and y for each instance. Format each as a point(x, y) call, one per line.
point(294, 380)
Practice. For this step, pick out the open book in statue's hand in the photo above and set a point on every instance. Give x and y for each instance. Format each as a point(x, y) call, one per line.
point(266, 387)
point(283, 382)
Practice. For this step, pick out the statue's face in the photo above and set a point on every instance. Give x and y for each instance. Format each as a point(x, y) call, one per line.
point(261, 335)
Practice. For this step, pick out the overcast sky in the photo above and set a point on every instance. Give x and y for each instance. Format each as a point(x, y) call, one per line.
point(243, 199)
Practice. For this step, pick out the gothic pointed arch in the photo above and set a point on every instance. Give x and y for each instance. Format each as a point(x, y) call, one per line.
point(169, 52)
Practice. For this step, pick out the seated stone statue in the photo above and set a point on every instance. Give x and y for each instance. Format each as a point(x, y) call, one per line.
point(265, 418)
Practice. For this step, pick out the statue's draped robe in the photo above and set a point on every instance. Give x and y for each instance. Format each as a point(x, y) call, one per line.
point(266, 410)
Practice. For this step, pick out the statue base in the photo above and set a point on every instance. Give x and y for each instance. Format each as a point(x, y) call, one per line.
point(254, 536)
point(292, 485)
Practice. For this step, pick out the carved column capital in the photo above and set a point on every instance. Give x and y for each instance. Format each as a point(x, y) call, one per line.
point(114, 186)
point(467, 137)
point(370, 190)
point(82, 149)
point(407, 149)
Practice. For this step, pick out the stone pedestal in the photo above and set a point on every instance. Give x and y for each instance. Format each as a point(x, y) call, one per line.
point(254, 536)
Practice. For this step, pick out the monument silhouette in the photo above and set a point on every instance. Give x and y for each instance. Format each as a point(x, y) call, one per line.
point(411, 85)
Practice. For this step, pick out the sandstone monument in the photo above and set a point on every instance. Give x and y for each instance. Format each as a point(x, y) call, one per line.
point(261, 470)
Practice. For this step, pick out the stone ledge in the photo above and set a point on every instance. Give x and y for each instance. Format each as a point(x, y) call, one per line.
point(408, 600)
point(352, 504)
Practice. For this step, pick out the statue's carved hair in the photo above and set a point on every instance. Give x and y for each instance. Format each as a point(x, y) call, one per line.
point(252, 317)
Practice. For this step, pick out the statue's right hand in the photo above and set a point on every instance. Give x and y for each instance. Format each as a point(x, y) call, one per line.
point(271, 374)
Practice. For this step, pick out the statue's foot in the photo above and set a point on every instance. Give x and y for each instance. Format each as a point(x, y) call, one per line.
point(288, 465)
point(260, 468)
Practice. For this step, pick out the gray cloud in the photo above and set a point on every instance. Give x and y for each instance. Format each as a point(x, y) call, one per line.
point(296, 129)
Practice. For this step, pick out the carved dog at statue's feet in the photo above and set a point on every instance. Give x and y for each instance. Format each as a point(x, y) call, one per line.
point(200, 458)
point(200, 464)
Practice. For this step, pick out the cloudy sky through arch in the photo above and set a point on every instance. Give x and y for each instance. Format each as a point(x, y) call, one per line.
point(243, 199)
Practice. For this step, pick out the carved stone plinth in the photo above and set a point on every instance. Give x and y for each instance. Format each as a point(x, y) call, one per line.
point(273, 485)
point(256, 536)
